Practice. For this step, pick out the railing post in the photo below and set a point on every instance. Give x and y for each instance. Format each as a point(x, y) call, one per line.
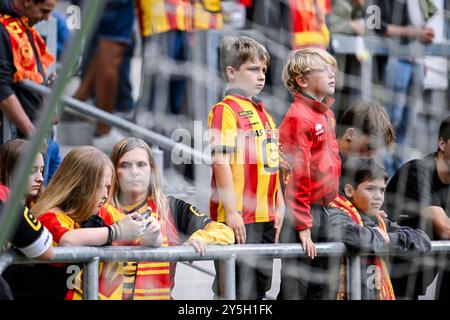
point(227, 280)
point(90, 279)
point(355, 277)
point(366, 77)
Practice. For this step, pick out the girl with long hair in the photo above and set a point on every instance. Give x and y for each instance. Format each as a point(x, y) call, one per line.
point(138, 188)
point(29, 237)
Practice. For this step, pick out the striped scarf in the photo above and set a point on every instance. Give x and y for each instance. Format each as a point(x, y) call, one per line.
point(386, 292)
point(24, 58)
point(308, 23)
point(148, 280)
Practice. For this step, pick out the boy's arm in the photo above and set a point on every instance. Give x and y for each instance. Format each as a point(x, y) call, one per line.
point(224, 183)
point(279, 213)
point(406, 238)
point(342, 228)
point(13, 110)
point(298, 191)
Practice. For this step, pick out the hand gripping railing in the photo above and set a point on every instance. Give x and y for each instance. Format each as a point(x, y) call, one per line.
point(226, 255)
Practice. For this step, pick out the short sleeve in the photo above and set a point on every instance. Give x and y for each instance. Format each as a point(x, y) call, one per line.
point(222, 125)
point(58, 224)
point(31, 238)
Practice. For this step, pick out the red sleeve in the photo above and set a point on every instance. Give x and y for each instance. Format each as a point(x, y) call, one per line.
point(56, 227)
point(296, 140)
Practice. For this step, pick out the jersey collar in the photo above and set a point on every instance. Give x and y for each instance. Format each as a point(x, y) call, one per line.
point(241, 94)
point(311, 102)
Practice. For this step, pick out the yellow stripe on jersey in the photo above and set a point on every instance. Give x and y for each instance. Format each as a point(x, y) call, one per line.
point(165, 290)
point(152, 264)
point(163, 297)
point(147, 272)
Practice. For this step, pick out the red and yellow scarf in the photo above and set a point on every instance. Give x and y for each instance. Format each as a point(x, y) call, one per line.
point(386, 291)
point(24, 59)
point(308, 23)
point(148, 280)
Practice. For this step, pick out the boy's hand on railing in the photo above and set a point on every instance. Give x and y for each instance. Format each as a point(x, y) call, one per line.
point(235, 222)
point(278, 224)
point(307, 243)
point(198, 245)
point(426, 35)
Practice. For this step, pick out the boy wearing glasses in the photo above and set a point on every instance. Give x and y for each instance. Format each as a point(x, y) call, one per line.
point(311, 169)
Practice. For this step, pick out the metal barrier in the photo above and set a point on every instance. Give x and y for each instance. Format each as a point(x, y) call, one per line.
point(227, 256)
point(116, 121)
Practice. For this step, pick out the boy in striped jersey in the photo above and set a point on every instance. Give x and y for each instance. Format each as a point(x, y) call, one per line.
point(245, 161)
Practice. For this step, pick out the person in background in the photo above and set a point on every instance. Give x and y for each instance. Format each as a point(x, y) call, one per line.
point(355, 218)
point(103, 64)
point(30, 238)
point(418, 196)
point(19, 105)
point(363, 130)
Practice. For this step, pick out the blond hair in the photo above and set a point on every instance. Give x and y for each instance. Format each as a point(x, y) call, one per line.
point(301, 62)
point(74, 186)
point(155, 187)
point(234, 52)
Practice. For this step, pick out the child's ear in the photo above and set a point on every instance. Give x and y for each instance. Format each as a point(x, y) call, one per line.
point(348, 190)
point(441, 144)
point(231, 73)
point(349, 134)
point(301, 82)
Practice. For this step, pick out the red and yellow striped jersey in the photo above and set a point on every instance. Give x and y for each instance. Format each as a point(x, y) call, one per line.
point(308, 23)
point(243, 128)
point(157, 16)
point(110, 273)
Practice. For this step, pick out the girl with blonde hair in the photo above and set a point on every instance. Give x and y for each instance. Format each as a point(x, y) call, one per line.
point(138, 188)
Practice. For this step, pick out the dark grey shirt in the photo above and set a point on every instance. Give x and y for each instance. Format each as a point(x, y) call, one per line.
point(368, 239)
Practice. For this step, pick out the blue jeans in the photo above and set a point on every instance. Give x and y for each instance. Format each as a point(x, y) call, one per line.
point(398, 78)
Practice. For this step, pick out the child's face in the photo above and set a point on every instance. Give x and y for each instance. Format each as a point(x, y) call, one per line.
point(36, 177)
point(250, 77)
point(134, 173)
point(368, 196)
point(319, 83)
point(361, 144)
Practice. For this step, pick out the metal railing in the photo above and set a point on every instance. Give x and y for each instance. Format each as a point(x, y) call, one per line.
point(226, 255)
point(91, 111)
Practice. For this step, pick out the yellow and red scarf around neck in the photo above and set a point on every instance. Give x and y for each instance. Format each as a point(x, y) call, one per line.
point(24, 58)
point(386, 291)
point(148, 280)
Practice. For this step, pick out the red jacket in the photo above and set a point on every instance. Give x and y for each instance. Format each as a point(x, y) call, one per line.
point(308, 143)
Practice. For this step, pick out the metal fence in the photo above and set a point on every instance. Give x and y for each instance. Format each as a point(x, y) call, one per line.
point(226, 255)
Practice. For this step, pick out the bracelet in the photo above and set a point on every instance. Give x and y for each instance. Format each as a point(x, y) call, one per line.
point(110, 236)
